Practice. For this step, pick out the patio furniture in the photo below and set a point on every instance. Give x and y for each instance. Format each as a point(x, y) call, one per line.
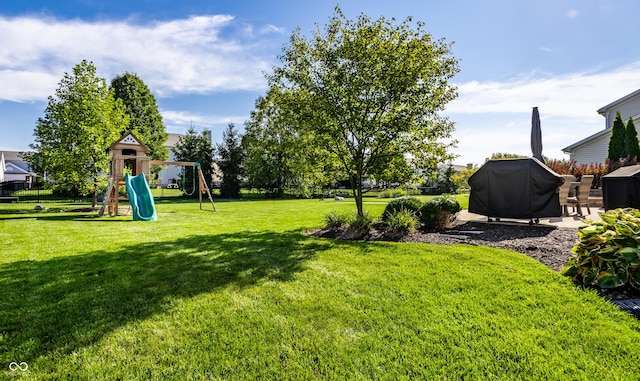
point(563, 194)
point(582, 195)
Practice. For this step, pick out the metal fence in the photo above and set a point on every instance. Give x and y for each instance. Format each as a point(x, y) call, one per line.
point(20, 191)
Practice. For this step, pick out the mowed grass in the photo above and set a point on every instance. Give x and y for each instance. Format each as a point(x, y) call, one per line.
point(242, 294)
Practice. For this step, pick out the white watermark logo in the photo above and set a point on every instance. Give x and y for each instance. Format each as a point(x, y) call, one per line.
point(14, 366)
point(18, 369)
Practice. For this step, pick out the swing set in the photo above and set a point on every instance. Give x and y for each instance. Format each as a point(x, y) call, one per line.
point(202, 184)
point(183, 181)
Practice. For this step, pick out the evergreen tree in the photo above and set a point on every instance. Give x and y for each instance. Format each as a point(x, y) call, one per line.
point(632, 147)
point(617, 149)
point(231, 162)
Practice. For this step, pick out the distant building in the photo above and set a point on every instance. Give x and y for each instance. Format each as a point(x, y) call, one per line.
point(595, 148)
point(15, 168)
point(170, 173)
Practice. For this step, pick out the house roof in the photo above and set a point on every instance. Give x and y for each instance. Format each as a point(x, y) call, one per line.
point(172, 140)
point(14, 169)
point(603, 110)
point(586, 140)
point(12, 155)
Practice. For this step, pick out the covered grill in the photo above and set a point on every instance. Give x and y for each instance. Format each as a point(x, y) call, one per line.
point(515, 188)
point(621, 188)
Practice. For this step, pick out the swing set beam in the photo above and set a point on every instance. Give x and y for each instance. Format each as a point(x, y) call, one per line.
point(176, 163)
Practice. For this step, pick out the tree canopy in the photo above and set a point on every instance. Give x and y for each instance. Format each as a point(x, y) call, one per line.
point(278, 157)
point(145, 120)
point(369, 93)
point(79, 124)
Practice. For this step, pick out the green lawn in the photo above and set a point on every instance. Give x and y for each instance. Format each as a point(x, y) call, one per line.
point(241, 294)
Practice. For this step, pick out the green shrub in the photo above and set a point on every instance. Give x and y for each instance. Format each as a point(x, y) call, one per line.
point(402, 221)
point(439, 212)
point(335, 219)
point(608, 253)
point(405, 203)
point(362, 223)
point(392, 193)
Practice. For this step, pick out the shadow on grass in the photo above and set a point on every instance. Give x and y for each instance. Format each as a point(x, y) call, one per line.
point(62, 304)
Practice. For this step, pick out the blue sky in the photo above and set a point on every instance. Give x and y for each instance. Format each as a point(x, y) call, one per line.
point(204, 60)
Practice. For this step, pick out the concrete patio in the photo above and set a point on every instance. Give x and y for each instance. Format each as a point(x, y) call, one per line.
point(571, 221)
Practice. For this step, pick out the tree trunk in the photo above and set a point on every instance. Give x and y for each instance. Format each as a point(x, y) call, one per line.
point(356, 188)
point(94, 202)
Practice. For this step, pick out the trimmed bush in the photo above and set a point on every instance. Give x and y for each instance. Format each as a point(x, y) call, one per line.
point(439, 212)
point(402, 221)
point(335, 219)
point(608, 254)
point(362, 223)
point(406, 203)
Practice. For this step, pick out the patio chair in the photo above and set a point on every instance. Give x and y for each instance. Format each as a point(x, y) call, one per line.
point(563, 194)
point(582, 194)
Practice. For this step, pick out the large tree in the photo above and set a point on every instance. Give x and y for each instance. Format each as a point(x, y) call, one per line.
point(631, 145)
point(195, 147)
point(145, 120)
point(80, 122)
point(617, 148)
point(230, 160)
point(370, 92)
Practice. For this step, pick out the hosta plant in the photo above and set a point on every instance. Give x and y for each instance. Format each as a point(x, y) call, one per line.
point(608, 253)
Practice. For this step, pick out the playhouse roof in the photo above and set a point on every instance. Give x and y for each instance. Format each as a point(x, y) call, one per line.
point(129, 139)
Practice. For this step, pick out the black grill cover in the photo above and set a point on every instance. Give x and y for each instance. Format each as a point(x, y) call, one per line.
point(515, 188)
point(621, 188)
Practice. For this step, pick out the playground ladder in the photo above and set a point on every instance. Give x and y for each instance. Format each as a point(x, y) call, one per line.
point(113, 185)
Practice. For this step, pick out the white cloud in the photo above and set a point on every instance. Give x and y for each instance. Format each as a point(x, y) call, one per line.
point(181, 56)
point(496, 116)
point(179, 121)
point(270, 28)
point(571, 95)
point(572, 14)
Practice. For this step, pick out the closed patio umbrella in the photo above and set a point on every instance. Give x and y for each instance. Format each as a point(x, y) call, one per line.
point(536, 135)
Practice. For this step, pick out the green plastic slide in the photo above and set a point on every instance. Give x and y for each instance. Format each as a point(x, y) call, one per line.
point(143, 207)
